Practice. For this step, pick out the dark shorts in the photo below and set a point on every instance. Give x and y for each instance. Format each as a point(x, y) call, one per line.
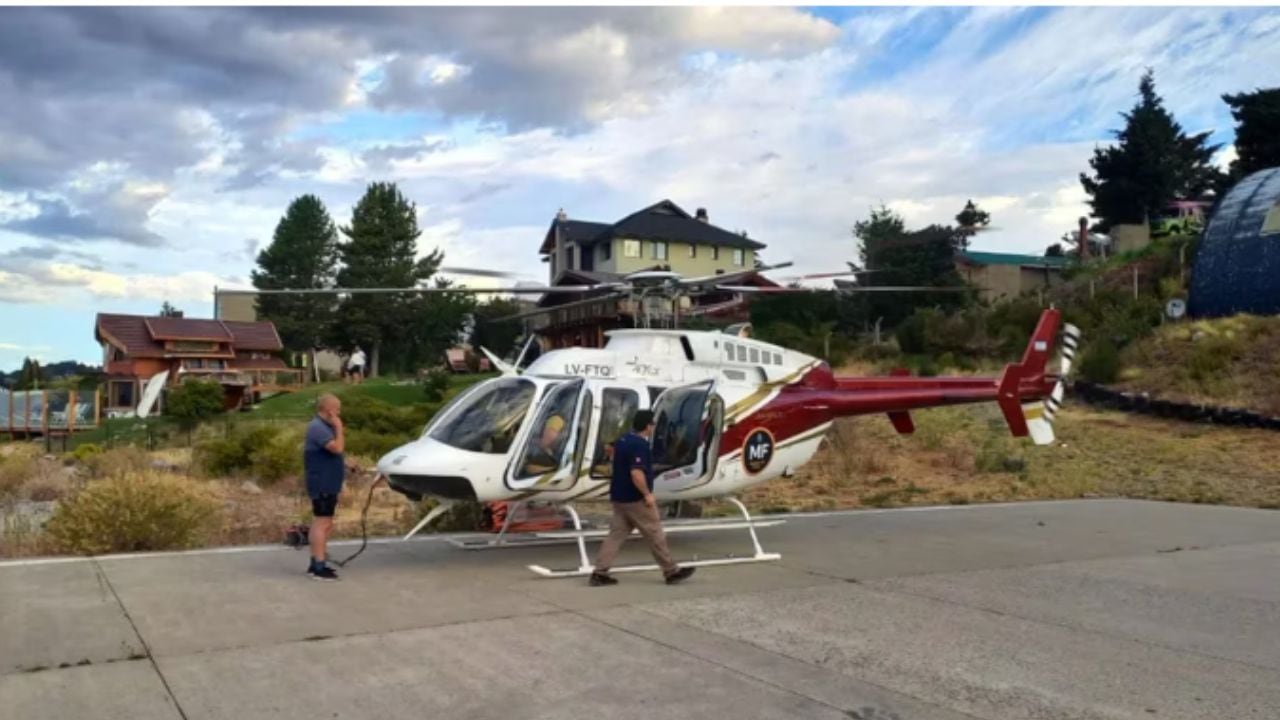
point(323, 506)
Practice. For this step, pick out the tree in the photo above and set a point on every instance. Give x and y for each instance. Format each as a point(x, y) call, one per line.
point(303, 254)
point(971, 220)
point(29, 378)
point(489, 331)
point(382, 252)
point(895, 256)
point(194, 401)
point(167, 310)
point(1054, 250)
point(1153, 163)
point(1257, 116)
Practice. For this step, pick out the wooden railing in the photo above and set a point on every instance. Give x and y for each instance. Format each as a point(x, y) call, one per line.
point(40, 411)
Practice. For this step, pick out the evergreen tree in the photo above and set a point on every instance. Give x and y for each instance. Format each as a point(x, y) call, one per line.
point(168, 310)
point(1257, 116)
point(971, 220)
point(29, 378)
point(1153, 163)
point(895, 256)
point(398, 330)
point(499, 336)
point(302, 255)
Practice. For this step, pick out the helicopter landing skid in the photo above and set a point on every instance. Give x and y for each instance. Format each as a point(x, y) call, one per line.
point(585, 568)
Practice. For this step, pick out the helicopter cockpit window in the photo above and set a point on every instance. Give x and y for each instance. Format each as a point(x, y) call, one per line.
point(488, 418)
point(678, 428)
point(619, 406)
point(551, 430)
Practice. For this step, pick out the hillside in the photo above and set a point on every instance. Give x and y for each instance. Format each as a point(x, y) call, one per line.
point(1233, 362)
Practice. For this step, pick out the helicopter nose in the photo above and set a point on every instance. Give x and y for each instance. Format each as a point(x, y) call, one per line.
point(427, 468)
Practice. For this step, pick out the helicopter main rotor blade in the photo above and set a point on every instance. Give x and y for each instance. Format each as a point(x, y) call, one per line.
point(563, 306)
point(479, 272)
point(868, 288)
point(520, 290)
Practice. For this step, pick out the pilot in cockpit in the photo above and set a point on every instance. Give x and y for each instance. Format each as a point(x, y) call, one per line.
point(545, 455)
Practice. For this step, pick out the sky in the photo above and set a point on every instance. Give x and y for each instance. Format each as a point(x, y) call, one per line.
point(147, 154)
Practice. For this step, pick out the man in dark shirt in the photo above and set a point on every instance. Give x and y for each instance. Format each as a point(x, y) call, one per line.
point(631, 495)
point(324, 470)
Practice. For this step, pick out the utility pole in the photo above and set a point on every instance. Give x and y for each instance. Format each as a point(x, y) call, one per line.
point(1084, 239)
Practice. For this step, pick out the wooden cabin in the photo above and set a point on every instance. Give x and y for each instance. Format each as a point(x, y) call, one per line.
point(243, 357)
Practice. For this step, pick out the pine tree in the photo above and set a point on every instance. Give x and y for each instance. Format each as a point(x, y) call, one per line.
point(1257, 116)
point(498, 336)
point(382, 252)
point(302, 254)
point(1153, 163)
point(971, 219)
point(168, 310)
point(895, 256)
point(29, 378)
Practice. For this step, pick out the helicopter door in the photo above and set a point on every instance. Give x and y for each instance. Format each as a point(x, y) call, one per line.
point(552, 455)
point(686, 436)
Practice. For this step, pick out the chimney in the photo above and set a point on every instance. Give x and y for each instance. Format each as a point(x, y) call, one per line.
point(561, 216)
point(701, 214)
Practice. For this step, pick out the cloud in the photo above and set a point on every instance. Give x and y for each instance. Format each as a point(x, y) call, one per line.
point(51, 282)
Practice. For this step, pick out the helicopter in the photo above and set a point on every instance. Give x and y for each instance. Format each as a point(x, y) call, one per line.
point(730, 411)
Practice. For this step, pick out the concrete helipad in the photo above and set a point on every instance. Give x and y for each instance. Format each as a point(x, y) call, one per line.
point(1090, 609)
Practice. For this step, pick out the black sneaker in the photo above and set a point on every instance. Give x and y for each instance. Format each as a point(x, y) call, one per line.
point(680, 575)
point(324, 573)
point(601, 579)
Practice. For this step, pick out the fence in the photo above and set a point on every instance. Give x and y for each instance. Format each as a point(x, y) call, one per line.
point(32, 412)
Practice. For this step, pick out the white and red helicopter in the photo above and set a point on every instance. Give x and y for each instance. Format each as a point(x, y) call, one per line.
point(730, 412)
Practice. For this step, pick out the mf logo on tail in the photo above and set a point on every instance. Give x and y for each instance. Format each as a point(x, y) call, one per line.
point(757, 451)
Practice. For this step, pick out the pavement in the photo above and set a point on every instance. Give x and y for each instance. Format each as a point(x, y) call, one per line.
point(1094, 609)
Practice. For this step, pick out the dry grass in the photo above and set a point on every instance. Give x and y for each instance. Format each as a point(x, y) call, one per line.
point(1225, 361)
point(965, 455)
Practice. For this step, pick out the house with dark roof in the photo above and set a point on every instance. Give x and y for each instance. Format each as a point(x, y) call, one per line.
point(662, 236)
point(241, 356)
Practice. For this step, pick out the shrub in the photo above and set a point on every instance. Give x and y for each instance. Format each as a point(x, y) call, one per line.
point(434, 384)
point(278, 459)
point(117, 461)
point(1101, 362)
point(194, 401)
point(44, 492)
point(373, 445)
point(86, 451)
point(911, 334)
point(228, 456)
point(14, 471)
point(134, 513)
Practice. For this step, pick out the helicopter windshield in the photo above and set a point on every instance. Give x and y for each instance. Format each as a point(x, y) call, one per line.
point(488, 418)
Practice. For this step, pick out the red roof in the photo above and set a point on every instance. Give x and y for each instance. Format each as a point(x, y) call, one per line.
point(247, 363)
point(254, 335)
point(141, 336)
point(174, 328)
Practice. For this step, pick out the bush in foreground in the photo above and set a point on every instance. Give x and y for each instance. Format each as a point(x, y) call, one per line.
point(135, 512)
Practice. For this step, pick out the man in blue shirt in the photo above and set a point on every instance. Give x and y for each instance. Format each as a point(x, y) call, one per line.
point(634, 506)
point(324, 470)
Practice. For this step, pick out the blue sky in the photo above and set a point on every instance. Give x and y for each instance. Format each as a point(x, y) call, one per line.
point(789, 123)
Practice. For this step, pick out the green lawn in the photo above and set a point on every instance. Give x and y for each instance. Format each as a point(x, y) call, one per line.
point(162, 431)
point(394, 391)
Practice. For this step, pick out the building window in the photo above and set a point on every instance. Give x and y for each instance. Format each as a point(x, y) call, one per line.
point(755, 355)
point(568, 258)
point(738, 258)
point(693, 250)
point(631, 248)
point(742, 353)
point(728, 352)
point(606, 251)
point(777, 358)
point(659, 250)
point(715, 252)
